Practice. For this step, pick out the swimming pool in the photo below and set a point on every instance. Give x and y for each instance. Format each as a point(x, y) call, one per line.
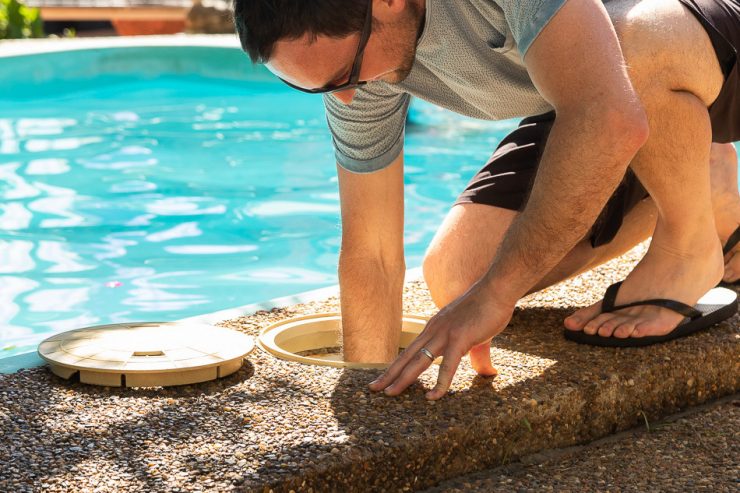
point(157, 183)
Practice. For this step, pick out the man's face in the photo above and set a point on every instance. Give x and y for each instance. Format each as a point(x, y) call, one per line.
point(389, 53)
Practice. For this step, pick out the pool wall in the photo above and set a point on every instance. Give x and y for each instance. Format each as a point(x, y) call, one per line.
point(85, 64)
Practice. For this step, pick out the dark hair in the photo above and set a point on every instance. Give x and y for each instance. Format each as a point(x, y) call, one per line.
point(261, 23)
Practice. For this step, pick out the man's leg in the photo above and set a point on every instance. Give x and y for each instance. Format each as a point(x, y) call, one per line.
point(461, 253)
point(466, 242)
point(676, 81)
point(726, 202)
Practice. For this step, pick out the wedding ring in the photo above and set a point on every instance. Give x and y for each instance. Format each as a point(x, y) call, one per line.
point(427, 353)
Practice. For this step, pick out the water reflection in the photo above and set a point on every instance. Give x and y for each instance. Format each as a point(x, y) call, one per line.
point(286, 208)
point(11, 287)
point(184, 206)
point(41, 145)
point(209, 249)
point(15, 256)
point(56, 300)
point(62, 206)
point(47, 167)
point(14, 216)
point(63, 259)
point(15, 186)
point(184, 230)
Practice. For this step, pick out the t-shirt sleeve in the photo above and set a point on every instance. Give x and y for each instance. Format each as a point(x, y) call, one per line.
point(527, 18)
point(367, 133)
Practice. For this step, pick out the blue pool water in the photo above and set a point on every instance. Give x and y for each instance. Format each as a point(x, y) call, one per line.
point(161, 183)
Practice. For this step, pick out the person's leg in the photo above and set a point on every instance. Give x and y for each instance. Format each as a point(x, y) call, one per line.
point(726, 202)
point(460, 253)
point(684, 260)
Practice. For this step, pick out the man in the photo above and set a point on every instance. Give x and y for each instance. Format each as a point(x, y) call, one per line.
point(641, 89)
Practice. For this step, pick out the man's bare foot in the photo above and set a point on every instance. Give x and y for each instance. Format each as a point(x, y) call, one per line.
point(668, 273)
point(726, 203)
point(663, 273)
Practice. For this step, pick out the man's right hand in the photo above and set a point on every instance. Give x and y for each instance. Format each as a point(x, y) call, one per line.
point(371, 262)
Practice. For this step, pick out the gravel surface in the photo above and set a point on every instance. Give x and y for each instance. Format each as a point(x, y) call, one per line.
point(696, 451)
point(286, 426)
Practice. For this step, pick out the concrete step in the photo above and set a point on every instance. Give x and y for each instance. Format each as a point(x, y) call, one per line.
point(696, 450)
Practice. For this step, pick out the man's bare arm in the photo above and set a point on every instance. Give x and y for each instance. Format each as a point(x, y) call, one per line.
point(577, 65)
point(371, 262)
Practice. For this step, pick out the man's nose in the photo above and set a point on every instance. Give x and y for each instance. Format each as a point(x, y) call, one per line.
point(345, 96)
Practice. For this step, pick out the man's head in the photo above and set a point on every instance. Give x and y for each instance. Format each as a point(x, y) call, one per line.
point(312, 44)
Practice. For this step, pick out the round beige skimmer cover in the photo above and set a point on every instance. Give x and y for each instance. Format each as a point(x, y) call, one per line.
point(148, 354)
point(306, 339)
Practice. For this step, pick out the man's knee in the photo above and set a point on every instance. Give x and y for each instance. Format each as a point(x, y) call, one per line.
point(446, 277)
point(439, 279)
point(463, 248)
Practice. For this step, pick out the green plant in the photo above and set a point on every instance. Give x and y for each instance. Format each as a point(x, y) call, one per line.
point(19, 21)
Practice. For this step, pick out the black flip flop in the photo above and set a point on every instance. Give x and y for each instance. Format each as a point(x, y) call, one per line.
point(717, 305)
point(731, 242)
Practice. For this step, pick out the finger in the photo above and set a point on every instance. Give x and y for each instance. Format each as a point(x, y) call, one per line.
point(418, 363)
point(480, 359)
point(447, 370)
point(578, 319)
point(403, 359)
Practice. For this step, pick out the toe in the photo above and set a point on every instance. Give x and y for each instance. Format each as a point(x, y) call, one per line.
point(651, 328)
point(579, 319)
point(593, 326)
point(480, 359)
point(625, 329)
point(608, 326)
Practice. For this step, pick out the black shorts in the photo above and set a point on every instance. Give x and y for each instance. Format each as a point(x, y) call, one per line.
point(506, 179)
point(721, 20)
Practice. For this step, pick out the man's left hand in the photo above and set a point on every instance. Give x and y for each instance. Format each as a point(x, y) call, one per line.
point(469, 322)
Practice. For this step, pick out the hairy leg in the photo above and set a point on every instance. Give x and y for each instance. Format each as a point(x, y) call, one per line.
point(726, 202)
point(677, 77)
point(460, 254)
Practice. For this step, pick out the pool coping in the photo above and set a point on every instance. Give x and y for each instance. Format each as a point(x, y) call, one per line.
point(31, 359)
point(20, 47)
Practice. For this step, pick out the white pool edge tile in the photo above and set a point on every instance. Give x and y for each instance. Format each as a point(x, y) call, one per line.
point(10, 48)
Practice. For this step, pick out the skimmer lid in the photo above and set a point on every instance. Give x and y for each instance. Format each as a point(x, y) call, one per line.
point(146, 354)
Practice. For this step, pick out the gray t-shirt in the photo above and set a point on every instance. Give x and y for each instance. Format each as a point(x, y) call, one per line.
point(469, 59)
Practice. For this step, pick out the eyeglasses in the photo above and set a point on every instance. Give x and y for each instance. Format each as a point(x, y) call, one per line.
point(354, 74)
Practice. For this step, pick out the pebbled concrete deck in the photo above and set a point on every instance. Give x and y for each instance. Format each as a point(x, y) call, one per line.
point(696, 450)
point(282, 426)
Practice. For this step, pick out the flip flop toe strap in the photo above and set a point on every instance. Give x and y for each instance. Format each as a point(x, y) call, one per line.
point(682, 308)
point(731, 241)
